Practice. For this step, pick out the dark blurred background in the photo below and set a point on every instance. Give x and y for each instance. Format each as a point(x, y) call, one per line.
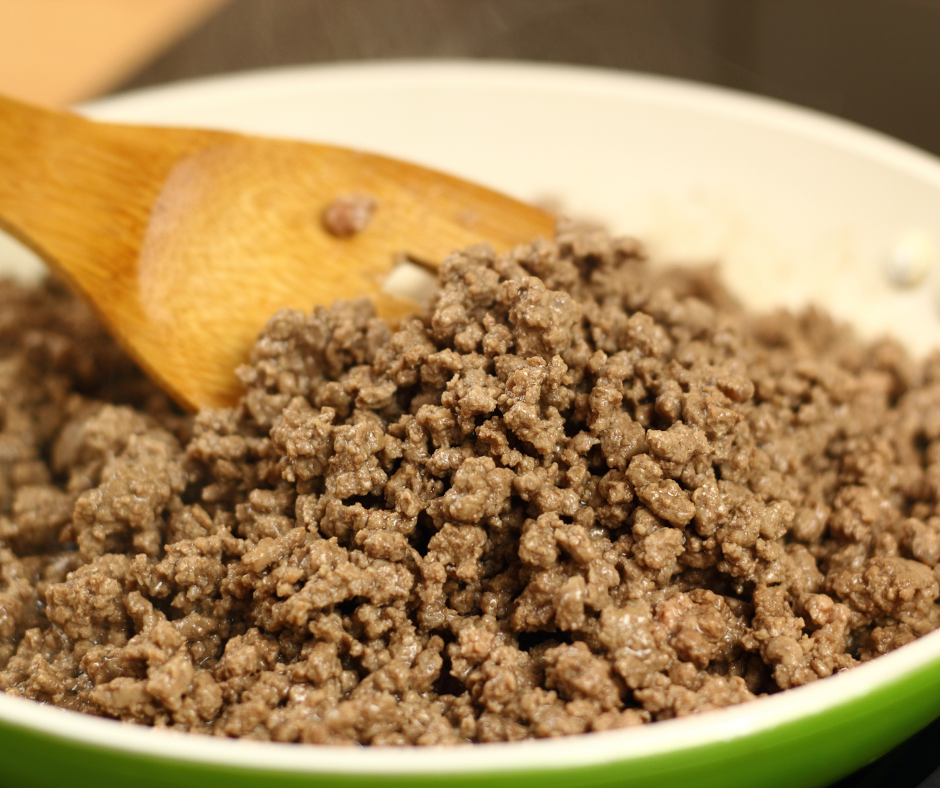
point(876, 62)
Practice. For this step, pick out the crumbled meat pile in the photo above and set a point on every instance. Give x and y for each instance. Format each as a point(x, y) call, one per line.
point(577, 495)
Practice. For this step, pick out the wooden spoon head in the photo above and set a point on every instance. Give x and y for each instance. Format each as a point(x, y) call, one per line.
point(206, 235)
point(237, 233)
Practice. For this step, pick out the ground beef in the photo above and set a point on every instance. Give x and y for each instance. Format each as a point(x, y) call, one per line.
point(578, 494)
point(348, 214)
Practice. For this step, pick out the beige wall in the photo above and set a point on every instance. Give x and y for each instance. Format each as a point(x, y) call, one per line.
point(60, 51)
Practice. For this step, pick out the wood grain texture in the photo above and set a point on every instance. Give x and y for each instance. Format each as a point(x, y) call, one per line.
point(187, 241)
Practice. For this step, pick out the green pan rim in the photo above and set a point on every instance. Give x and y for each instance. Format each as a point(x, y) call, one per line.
point(833, 697)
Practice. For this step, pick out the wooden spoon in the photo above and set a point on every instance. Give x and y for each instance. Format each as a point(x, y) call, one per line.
point(186, 241)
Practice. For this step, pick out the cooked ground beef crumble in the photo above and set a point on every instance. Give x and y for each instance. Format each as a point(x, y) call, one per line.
point(348, 214)
point(579, 494)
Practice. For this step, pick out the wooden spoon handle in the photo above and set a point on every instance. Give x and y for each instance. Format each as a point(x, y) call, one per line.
point(37, 187)
point(61, 189)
